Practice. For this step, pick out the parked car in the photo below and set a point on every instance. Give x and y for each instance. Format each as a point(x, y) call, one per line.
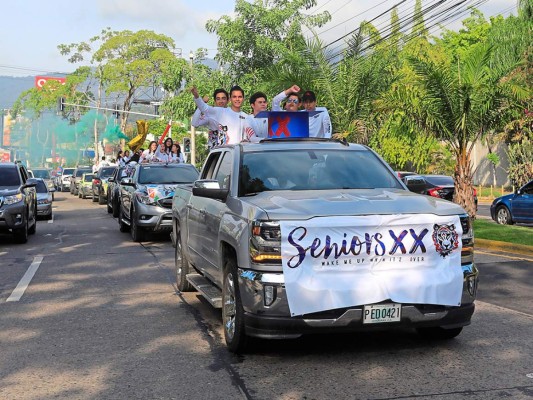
point(44, 198)
point(413, 181)
point(441, 186)
point(85, 185)
point(76, 177)
point(63, 179)
point(146, 197)
point(515, 207)
point(44, 173)
point(99, 185)
point(113, 191)
point(18, 202)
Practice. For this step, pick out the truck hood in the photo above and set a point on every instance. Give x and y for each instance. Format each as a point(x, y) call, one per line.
point(298, 205)
point(9, 190)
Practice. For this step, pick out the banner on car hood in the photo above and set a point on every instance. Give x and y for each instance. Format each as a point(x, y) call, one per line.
point(337, 262)
point(157, 192)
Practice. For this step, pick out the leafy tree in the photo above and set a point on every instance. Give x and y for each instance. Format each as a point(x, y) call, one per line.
point(452, 103)
point(124, 61)
point(262, 32)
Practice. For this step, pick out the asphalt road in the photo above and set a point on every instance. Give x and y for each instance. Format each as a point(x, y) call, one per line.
point(101, 319)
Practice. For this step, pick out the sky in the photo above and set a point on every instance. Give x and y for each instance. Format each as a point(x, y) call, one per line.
point(31, 30)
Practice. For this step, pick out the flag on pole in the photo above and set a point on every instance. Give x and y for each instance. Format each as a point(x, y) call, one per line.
point(167, 130)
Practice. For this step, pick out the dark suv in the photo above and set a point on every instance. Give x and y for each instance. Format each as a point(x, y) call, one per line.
point(18, 202)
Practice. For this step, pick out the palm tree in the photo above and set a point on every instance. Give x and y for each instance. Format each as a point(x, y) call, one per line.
point(456, 105)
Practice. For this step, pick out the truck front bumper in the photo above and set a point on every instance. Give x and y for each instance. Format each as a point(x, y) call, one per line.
point(12, 216)
point(274, 320)
point(153, 218)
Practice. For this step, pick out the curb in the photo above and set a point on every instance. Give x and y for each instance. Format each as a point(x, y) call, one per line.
point(504, 246)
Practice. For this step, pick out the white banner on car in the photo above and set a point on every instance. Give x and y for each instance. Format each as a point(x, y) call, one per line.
point(337, 262)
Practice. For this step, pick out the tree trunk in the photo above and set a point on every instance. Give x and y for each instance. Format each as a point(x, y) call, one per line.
point(464, 192)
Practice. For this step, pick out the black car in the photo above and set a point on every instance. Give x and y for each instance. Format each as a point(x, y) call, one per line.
point(113, 191)
point(99, 185)
point(442, 186)
point(18, 202)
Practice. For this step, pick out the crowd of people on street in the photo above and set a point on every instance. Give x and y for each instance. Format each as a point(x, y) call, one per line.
point(229, 125)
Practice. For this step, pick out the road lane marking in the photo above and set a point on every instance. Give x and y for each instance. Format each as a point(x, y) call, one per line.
point(521, 258)
point(26, 279)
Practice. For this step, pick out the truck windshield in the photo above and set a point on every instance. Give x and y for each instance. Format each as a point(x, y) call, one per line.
point(313, 170)
point(41, 173)
point(165, 175)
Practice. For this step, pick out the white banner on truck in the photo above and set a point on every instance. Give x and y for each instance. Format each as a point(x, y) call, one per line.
point(337, 262)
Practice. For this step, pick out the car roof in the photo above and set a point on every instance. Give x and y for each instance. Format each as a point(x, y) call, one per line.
point(299, 143)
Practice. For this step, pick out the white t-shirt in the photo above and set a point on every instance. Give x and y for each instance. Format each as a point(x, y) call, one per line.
point(147, 156)
point(320, 123)
point(255, 129)
point(227, 121)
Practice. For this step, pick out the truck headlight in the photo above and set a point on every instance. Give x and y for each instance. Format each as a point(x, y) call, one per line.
point(144, 198)
point(13, 199)
point(265, 242)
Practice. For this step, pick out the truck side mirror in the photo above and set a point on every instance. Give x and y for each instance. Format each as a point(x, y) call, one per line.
point(210, 189)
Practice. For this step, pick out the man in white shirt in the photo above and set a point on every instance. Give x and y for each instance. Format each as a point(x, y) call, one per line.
point(257, 128)
point(220, 97)
point(229, 121)
point(293, 99)
point(319, 123)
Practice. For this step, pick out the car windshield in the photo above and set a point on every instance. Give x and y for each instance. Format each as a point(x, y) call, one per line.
point(439, 180)
point(106, 172)
point(80, 172)
point(40, 187)
point(9, 177)
point(167, 174)
point(41, 173)
point(68, 171)
point(88, 178)
point(313, 170)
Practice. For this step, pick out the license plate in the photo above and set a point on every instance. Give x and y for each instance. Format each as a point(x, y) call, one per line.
point(379, 313)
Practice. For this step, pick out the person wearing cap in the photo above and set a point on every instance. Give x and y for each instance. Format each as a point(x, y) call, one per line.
point(291, 97)
point(229, 121)
point(200, 119)
point(319, 123)
point(257, 128)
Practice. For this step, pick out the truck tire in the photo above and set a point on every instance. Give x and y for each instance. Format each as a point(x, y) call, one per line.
point(232, 311)
point(137, 233)
point(182, 267)
point(109, 207)
point(32, 229)
point(101, 199)
point(123, 227)
point(438, 333)
point(21, 234)
point(116, 208)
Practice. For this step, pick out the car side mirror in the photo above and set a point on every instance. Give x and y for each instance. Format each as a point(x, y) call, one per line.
point(210, 189)
point(111, 179)
point(127, 182)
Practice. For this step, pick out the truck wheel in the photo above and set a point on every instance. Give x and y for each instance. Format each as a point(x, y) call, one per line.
point(101, 200)
point(503, 216)
point(116, 209)
point(109, 208)
point(137, 233)
point(182, 267)
point(21, 234)
point(232, 311)
point(122, 225)
point(33, 228)
point(438, 333)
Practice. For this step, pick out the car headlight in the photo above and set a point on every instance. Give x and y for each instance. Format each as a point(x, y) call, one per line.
point(13, 199)
point(144, 198)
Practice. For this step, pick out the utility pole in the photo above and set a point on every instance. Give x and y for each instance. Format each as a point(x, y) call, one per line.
point(193, 129)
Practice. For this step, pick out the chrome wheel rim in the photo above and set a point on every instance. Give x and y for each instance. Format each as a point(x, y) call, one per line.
point(229, 307)
point(502, 216)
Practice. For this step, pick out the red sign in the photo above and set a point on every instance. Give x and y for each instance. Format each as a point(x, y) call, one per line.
point(41, 80)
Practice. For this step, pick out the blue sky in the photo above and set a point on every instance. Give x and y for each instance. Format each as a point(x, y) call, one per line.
point(32, 29)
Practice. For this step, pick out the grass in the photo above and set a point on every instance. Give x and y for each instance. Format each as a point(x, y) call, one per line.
point(484, 229)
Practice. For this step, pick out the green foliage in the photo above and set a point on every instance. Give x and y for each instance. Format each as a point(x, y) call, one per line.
point(262, 32)
point(520, 162)
point(493, 158)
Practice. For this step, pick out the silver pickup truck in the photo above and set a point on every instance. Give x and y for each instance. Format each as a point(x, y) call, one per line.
point(290, 237)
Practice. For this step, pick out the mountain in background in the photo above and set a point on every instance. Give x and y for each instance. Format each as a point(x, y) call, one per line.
point(11, 87)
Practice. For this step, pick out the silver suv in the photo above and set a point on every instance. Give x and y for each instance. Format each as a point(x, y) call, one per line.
point(18, 202)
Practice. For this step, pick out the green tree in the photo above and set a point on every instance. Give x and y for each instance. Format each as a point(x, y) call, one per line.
point(124, 61)
point(453, 103)
point(262, 32)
